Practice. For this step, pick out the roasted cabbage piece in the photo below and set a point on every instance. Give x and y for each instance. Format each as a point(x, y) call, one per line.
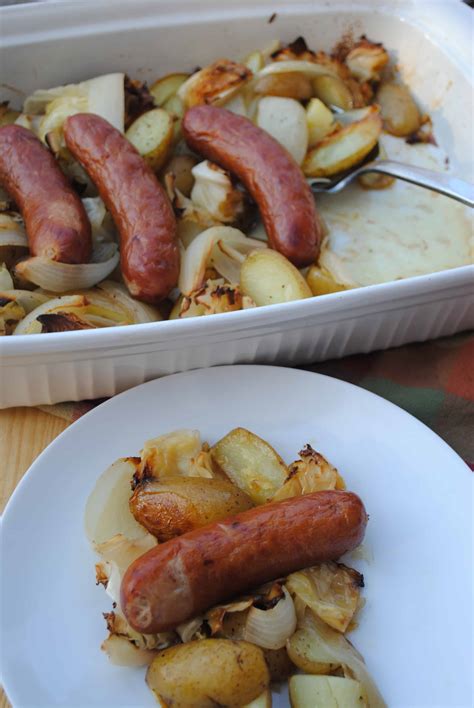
point(325, 646)
point(210, 672)
point(251, 463)
point(179, 453)
point(311, 473)
point(215, 83)
point(331, 590)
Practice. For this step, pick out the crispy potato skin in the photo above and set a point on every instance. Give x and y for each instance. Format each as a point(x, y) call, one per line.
point(180, 504)
point(269, 173)
point(55, 220)
point(188, 575)
point(208, 673)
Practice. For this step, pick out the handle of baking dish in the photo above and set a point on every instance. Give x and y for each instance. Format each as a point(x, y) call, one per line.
point(444, 183)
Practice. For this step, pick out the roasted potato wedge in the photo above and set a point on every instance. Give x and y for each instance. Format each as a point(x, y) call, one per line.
point(285, 120)
point(268, 278)
point(166, 87)
point(181, 167)
point(308, 654)
point(345, 148)
point(291, 85)
point(321, 281)
point(209, 672)
point(398, 109)
point(333, 92)
point(178, 504)
point(251, 463)
point(152, 135)
point(320, 121)
point(325, 692)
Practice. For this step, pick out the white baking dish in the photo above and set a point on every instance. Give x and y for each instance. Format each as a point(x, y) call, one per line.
point(46, 45)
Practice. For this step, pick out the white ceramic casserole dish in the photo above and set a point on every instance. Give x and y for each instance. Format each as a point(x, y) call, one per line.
point(63, 42)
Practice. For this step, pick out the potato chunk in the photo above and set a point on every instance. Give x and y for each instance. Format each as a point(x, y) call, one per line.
point(251, 463)
point(209, 672)
point(325, 692)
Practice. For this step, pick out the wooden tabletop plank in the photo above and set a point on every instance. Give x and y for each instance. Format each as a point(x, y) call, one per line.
point(24, 433)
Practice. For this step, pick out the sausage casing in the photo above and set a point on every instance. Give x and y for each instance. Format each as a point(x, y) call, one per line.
point(56, 222)
point(138, 203)
point(189, 574)
point(268, 172)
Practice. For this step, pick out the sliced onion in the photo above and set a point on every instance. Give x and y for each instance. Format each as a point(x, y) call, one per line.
point(103, 228)
point(122, 652)
point(28, 299)
point(6, 281)
point(30, 325)
point(107, 512)
point(138, 312)
point(271, 628)
point(308, 68)
point(197, 255)
point(225, 265)
point(118, 552)
point(63, 277)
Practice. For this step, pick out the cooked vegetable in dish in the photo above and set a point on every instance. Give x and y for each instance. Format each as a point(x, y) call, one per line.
point(223, 567)
point(192, 195)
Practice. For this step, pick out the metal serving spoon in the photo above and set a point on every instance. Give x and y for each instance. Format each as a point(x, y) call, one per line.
point(444, 184)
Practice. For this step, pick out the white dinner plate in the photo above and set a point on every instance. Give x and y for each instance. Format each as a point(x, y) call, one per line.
point(414, 631)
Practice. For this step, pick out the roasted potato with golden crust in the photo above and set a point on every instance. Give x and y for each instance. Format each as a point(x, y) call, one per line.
point(308, 654)
point(177, 504)
point(209, 672)
point(251, 463)
point(321, 281)
point(268, 277)
point(398, 109)
point(332, 91)
point(167, 86)
point(344, 148)
point(152, 134)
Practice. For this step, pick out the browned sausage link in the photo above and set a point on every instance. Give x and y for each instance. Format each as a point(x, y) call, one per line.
point(268, 172)
point(189, 574)
point(138, 203)
point(56, 222)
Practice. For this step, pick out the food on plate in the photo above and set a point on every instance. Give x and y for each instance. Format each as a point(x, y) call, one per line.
point(176, 505)
point(152, 135)
point(345, 148)
point(325, 692)
point(251, 463)
point(271, 176)
point(55, 220)
point(226, 578)
point(137, 202)
point(209, 672)
point(233, 144)
point(189, 574)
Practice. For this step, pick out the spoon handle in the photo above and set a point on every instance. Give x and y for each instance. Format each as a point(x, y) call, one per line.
point(437, 181)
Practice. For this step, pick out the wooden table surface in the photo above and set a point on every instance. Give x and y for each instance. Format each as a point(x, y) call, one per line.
point(24, 433)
